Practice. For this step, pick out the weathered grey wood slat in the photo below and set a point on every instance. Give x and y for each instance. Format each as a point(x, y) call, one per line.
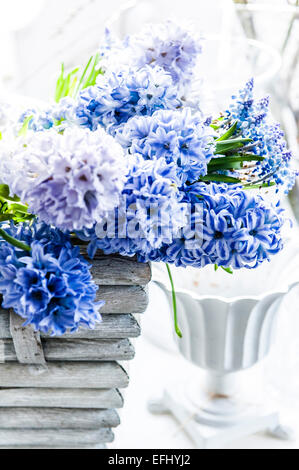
point(119, 271)
point(54, 437)
point(60, 349)
point(52, 418)
point(64, 375)
point(60, 398)
point(112, 326)
point(27, 343)
point(123, 299)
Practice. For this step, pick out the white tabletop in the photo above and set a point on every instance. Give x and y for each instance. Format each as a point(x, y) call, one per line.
point(150, 371)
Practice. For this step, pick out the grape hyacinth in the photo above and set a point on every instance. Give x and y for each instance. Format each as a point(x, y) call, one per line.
point(178, 137)
point(119, 96)
point(70, 181)
point(268, 139)
point(52, 287)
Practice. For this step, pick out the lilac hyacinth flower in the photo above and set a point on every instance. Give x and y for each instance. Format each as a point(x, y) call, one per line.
point(174, 48)
point(171, 46)
point(52, 288)
point(70, 181)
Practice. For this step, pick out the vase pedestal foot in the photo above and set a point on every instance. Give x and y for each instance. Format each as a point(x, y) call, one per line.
point(218, 421)
point(285, 433)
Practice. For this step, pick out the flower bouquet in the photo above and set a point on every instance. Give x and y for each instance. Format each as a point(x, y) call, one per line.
point(124, 168)
point(128, 161)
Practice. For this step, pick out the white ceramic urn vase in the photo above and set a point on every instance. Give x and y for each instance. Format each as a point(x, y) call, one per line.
point(224, 336)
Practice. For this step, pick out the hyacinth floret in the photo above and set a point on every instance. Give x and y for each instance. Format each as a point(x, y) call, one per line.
point(69, 180)
point(119, 96)
point(51, 288)
point(178, 137)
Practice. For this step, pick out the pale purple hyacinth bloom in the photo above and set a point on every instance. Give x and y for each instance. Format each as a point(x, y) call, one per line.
point(70, 180)
point(169, 45)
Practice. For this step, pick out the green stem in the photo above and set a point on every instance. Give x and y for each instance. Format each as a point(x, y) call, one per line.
point(175, 312)
point(14, 242)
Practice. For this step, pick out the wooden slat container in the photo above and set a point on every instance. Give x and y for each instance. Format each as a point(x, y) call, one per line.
point(64, 392)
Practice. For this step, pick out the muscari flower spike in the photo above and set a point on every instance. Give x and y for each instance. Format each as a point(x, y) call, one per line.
point(268, 140)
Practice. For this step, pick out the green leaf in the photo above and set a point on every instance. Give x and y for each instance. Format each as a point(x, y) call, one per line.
point(11, 208)
point(24, 129)
point(83, 76)
point(59, 84)
point(19, 208)
point(4, 190)
point(216, 267)
point(229, 133)
point(6, 217)
point(229, 145)
point(234, 141)
point(71, 84)
point(5, 194)
point(219, 179)
point(227, 270)
point(228, 162)
point(65, 86)
point(91, 80)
